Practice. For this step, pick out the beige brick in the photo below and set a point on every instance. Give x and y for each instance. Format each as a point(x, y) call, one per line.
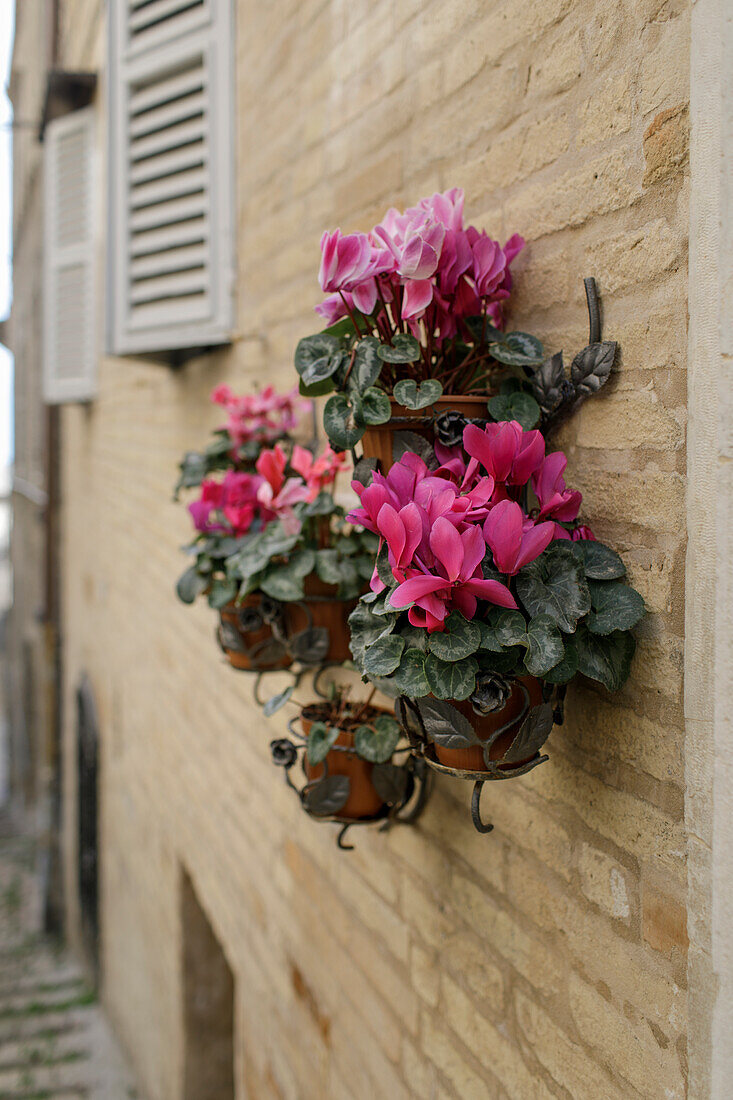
point(566, 1061)
point(665, 69)
point(608, 112)
point(605, 882)
point(624, 421)
point(558, 66)
point(666, 144)
point(664, 921)
point(425, 974)
point(631, 1047)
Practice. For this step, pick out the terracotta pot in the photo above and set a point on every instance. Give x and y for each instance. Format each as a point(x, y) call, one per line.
point(485, 725)
point(377, 441)
point(363, 800)
point(327, 610)
point(253, 638)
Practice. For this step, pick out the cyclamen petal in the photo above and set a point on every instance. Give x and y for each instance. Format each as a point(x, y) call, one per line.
point(411, 590)
point(418, 296)
point(533, 543)
point(493, 591)
point(446, 544)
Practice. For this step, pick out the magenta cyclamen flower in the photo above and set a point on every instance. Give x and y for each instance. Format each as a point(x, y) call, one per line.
point(455, 581)
point(350, 263)
point(556, 501)
point(505, 450)
point(514, 541)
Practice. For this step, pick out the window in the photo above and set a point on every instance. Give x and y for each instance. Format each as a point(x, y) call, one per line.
point(69, 344)
point(171, 232)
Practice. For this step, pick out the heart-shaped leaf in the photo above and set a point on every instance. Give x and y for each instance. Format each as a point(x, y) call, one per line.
point(591, 367)
point(600, 562)
point(554, 584)
point(451, 679)
point(410, 676)
point(412, 443)
point(317, 358)
point(518, 349)
point(221, 593)
point(510, 627)
point(383, 656)
point(408, 393)
point(545, 645)
point(445, 725)
point(377, 743)
point(616, 606)
point(605, 657)
point(328, 796)
point(565, 669)
point(515, 406)
point(460, 639)
point(367, 364)
point(366, 628)
point(403, 349)
point(190, 585)
point(532, 736)
point(282, 583)
point(320, 741)
point(375, 407)
point(339, 422)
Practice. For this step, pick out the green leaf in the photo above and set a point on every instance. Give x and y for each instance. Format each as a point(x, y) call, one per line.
point(384, 569)
point(535, 730)
point(222, 592)
point(410, 677)
point(282, 583)
point(564, 670)
point(341, 328)
point(338, 420)
point(190, 585)
point(327, 566)
point(323, 505)
point(318, 389)
point(489, 638)
point(367, 364)
point(601, 562)
point(461, 639)
point(515, 406)
point(616, 606)
point(383, 656)
point(546, 647)
point(366, 628)
point(451, 679)
point(510, 628)
point(606, 658)
point(412, 396)
point(318, 357)
point(390, 783)
point(377, 743)
point(554, 584)
point(403, 349)
point(274, 703)
point(320, 741)
point(518, 349)
point(375, 407)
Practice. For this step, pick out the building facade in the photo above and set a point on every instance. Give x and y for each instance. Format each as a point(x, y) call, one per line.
point(579, 948)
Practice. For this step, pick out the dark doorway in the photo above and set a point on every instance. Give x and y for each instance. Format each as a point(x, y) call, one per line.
point(208, 991)
point(88, 818)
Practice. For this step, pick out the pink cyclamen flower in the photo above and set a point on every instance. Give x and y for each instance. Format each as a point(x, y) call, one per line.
point(456, 583)
point(489, 266)
point(556, 501)
point(403, 532)
point(583, 532)
point(505, 450)
point(228, 506)
point(317, 472)
point(278, 493)
point(350, 263)
point(512, 544)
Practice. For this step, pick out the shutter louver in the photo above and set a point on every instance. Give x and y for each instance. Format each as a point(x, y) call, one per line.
point(69, 345)
point(171, 234)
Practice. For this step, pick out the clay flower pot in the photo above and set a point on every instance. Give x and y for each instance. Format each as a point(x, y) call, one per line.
point(321, 607)
point(363, 801)
point(378, 441)
point(472, 759)
point(257, 649)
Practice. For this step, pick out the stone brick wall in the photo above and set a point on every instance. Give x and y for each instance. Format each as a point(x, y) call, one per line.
point(549, 958)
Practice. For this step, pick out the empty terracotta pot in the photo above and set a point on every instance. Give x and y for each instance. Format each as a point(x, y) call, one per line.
point(252, 639)
point(485, 725)
point(378, 441)
point(363, 800)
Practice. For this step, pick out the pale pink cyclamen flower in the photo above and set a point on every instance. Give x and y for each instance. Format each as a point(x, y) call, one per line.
point(317, 472)
point(350, 263)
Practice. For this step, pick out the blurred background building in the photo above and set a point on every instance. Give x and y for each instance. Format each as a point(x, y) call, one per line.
point(178, 162)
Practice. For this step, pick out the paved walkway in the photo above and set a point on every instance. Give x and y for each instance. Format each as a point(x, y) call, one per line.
point(55, 1043)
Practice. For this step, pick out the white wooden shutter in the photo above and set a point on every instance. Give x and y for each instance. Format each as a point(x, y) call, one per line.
point(171, 253)
point(70, 302)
